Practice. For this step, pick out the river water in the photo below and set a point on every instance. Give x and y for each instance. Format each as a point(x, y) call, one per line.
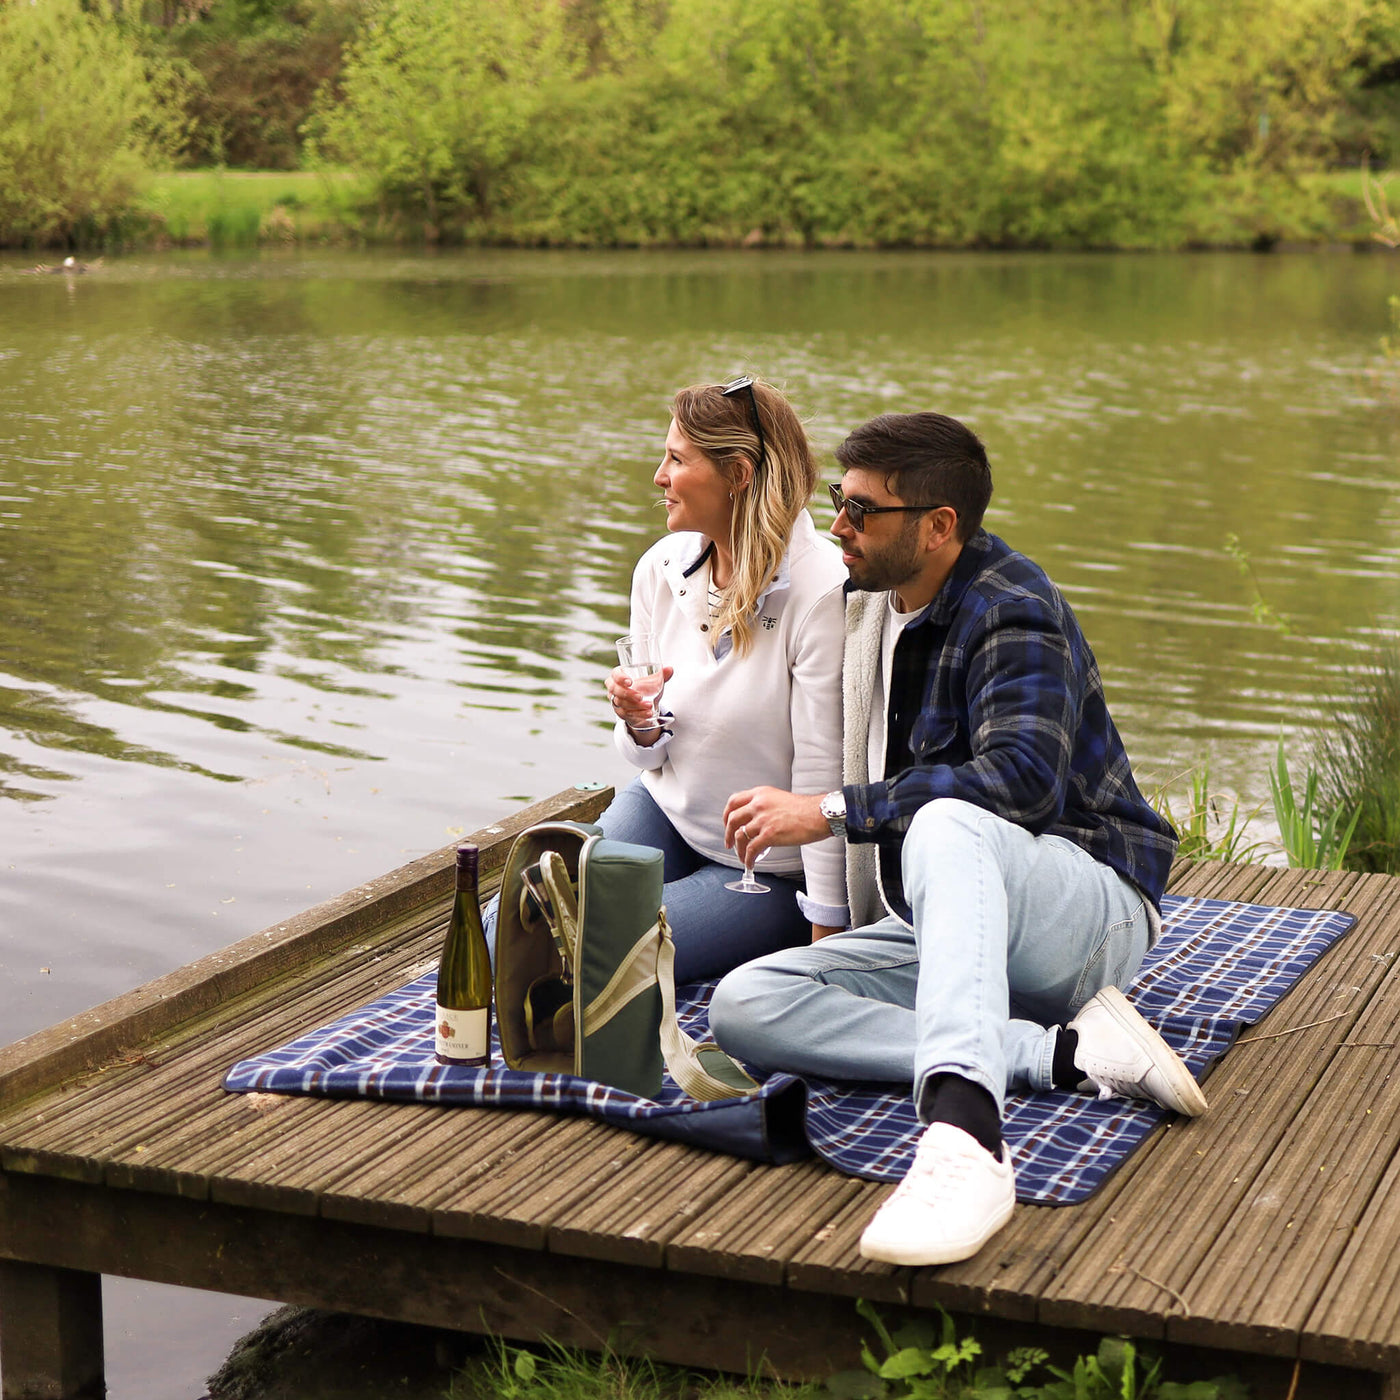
point(311, 561)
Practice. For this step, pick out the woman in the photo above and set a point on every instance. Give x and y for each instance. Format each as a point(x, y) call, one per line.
point(745, 600)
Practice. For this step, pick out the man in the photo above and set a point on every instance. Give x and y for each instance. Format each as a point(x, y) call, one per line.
point(1005, 874)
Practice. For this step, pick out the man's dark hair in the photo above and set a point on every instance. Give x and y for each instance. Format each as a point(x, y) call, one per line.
point(926, 458)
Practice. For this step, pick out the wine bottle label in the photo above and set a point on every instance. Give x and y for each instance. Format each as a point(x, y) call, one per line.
point(464, 1037)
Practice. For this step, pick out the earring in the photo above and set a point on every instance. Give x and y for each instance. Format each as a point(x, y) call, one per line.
point(731, 495)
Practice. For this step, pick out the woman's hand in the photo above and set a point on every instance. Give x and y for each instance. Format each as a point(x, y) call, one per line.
point(633, 709)
point(759, 818)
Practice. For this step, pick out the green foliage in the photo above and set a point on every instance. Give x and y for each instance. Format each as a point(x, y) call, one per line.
point(1207, 830)
point(1358, 761)
point(554, 1372)
point(439, 101)
point(257, 69)
point(84, 116)
point(1048, 123)
point(1309, 839)
point(925, 1360)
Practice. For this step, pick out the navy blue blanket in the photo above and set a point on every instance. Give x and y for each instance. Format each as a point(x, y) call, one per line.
point(1218, 967)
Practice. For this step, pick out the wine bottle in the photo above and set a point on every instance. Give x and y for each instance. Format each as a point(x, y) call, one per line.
point(464, 975)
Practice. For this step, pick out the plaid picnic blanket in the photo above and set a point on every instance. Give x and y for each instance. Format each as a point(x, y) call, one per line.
point(1218, 966)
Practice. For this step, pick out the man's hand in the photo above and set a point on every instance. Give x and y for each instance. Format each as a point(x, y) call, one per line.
point(763, 817)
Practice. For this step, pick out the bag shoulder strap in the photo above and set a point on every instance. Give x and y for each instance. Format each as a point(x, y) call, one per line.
point(705, 1072)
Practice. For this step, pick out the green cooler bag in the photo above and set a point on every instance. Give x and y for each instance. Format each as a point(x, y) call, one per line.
point(584, 968)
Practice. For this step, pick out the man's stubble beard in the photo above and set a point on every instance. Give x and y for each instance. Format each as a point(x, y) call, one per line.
point(890, 567)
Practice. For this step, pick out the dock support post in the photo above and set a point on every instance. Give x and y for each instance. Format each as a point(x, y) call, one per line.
point(50, 1333)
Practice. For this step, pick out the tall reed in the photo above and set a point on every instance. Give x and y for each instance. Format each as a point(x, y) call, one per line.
point(1358, 763)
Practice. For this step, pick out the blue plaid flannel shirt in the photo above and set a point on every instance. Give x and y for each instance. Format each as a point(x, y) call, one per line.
point(996, 699)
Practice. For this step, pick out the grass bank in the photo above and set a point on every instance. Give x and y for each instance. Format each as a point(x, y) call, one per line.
point(249, 208)
point(254, 208)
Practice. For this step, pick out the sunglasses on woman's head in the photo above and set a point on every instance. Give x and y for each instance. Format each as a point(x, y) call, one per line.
point(737, 386)
point(856, 511)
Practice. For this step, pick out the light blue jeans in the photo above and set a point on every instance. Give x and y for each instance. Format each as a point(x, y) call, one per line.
point(1012, 934)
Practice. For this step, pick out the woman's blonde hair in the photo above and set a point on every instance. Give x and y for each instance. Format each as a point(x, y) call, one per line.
point(785, 475)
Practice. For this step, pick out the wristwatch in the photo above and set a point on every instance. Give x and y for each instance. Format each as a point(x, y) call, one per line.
point(833, 808)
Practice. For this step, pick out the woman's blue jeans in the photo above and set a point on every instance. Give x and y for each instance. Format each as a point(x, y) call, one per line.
point(1012, 934)
point(714, 929)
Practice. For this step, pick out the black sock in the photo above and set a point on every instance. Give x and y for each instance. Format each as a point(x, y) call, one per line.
point(1063, 1071)
point(949, 1098)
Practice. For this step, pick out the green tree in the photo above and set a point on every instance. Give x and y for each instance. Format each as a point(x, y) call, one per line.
point(84, 116)
point(439, 101)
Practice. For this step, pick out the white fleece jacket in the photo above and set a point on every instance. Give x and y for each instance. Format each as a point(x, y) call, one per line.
point(772, 717)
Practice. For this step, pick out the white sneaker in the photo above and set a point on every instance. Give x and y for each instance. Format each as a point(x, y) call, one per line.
point(1120, 1054)
point(953, 1199)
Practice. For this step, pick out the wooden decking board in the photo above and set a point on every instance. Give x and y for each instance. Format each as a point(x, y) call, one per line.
point(181, 1162)
point(103, 1101)
point(516, 1205)
point(1240, 1134)
point(830, 1262)
point(332, 1150)
point(1356, 1319)
point(454, 1147)
point(631, 1220)
point(1309, 1192)
point(273, 1177)
point(752, 1232)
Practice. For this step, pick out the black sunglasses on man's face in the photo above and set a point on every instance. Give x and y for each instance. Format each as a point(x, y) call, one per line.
point(737, 386)
point(856, 511)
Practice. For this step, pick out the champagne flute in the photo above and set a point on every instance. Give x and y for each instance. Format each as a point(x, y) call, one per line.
point(747, 885)
point(639, 655)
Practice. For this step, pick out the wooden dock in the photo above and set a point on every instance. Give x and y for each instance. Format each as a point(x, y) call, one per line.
point(1269, 1229)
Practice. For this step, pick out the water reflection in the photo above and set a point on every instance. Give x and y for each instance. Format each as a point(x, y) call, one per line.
point(269, 518)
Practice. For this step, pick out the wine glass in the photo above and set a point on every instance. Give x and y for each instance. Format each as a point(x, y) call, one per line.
point(639, 655)
point(748, 885)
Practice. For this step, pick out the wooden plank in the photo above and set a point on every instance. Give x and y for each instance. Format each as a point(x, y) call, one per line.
point(400, 1190)
point(632, 1219)
point(111, 1110)
point(83, 1042)
point(754, 1231)
point(1356, 1319)
point(830, 1262)
point(275, 1177)
point(1272, 1260)
point(517, 1205)
point(1142, 1265)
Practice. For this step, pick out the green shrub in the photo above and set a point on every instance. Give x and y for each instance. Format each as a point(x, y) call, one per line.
point(256, 88)
point(926, 1360)
point(84, 117)
point(439, 101)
